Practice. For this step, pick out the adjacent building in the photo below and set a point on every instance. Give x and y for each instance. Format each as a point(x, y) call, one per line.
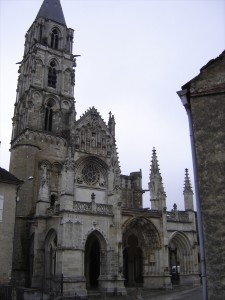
point(9, 186)
point(204, 100)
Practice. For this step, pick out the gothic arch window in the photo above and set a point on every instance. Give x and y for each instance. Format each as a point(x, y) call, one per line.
point(50, 255)
point(48, 117)
point(55, 39)
point(52, 74)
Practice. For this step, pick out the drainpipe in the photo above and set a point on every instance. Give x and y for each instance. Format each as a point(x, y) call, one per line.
point(183, 96)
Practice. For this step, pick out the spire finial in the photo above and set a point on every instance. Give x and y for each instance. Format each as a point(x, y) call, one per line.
point(187, 182)
point(111, 124)
point(154, 166)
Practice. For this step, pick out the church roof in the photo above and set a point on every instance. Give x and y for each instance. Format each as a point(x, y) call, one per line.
point(52, 10)
point(7, 177)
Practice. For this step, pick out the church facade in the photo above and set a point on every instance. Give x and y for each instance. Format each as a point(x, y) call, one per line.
point(78, 218)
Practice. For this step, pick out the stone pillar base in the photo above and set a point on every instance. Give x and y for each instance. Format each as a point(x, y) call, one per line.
point(157, 281)
point(70, 286)
point(110, 285)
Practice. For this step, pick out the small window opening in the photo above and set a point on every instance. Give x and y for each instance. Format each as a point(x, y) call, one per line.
point(52, 75)
point(54, 39)
point(52, 200)
point(48, 117)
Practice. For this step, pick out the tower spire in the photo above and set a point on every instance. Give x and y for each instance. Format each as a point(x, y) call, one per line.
point(188, 192)
point(52, 10)
point(187, 182)
point(157, 192)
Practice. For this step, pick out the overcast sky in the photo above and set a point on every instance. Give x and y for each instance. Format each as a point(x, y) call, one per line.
point(135, 55)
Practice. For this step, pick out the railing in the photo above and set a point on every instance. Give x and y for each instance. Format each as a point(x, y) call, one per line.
point(7, 292)
point(178, 216)
point(93, 208)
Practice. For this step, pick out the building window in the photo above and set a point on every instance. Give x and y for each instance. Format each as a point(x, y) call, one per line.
point(54, 39)
point(90, 174)
point(1, 207)
point(52, 75)
point(52, 200)
point(48, 117)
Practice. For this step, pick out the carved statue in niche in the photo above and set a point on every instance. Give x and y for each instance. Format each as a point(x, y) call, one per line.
point(93, 140)
point(88, 140)
point(44, 177)
point(73, 77)
point(77, 139)
point(82, 136)
point(108, 146)
point(69, 162)
point(116, 178)
point(33, 63)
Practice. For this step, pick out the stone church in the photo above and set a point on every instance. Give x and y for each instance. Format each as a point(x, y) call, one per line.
point(78, 218)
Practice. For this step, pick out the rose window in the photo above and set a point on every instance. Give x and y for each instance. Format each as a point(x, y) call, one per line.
point(90, 174)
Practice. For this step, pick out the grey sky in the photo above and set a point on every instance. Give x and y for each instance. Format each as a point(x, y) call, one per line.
point(135, 55)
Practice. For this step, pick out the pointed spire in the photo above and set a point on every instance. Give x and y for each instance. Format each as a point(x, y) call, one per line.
point(187, 182)
point(52, 10)
point(188, 193)
point(154, 165)
point(157, 192)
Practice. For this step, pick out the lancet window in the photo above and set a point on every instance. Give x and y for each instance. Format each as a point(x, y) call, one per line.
point(48, 117)
point(52, 75)
point(55, 39)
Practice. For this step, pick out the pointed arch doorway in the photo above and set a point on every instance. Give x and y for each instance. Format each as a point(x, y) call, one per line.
point(133, 262)
point(92, 261)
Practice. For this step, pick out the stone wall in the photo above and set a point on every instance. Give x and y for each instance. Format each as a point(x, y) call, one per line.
point(8, 195)
point(206, 97)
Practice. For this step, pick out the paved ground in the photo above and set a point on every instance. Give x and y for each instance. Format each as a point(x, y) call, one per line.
point(177, 293)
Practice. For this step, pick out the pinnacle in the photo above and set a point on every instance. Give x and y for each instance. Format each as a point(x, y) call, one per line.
point(187, 182)
point(154, 163)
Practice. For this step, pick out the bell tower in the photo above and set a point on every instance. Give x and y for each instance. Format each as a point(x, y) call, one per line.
point(46, 80)
point(43, 116)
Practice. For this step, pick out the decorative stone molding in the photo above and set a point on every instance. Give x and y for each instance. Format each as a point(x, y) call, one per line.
point(70, 218)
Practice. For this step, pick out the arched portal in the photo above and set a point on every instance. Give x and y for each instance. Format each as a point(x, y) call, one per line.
point(133, 262)
point(180, 256)
point(140, 239)
point(92, 261)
